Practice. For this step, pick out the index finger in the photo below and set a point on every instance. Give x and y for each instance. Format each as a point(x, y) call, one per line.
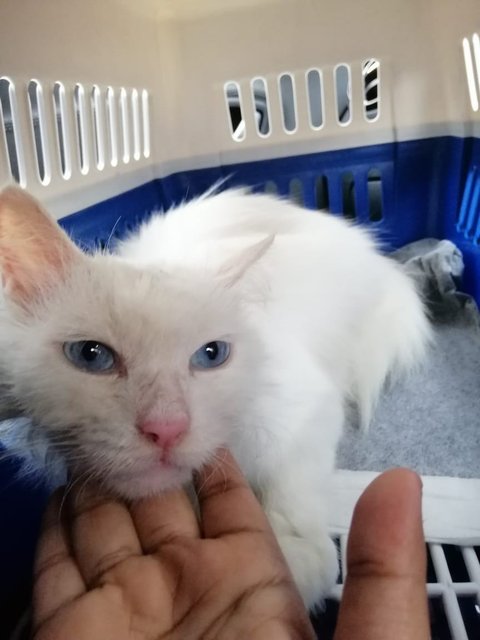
point(227, 503)
point(385, 594)
point(102, 532)
point(57, 579)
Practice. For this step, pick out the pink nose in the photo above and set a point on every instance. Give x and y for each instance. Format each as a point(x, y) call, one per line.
point(165, 433)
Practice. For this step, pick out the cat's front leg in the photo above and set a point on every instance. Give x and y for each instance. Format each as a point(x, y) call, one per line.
point(311, 556)
point(296, 500)
point(288, 458)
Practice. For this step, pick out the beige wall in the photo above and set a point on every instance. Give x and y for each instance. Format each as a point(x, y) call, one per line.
point(183, 51)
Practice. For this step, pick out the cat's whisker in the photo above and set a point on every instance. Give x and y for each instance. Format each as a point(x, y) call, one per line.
point(209, 476)
point(223, 462)
point(103, 479)
point(68, 489)
point(109, 239)
point(202, 486)
point(91, 475)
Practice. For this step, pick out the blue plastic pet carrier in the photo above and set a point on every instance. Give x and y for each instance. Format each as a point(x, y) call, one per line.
point(111, 110)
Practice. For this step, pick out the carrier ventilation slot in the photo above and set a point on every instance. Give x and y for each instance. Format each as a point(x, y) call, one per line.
point(375, 195)
point(235, 111)
point(98, 128)
point(123, 103)
point(11, 132)
point(271, 188)
point(63, 138)
point(348, 196)
point(296, 191)
point(321, 193)
point(453, 587)
point(469, 215)
point(262, 109)
point(471, 55)
point(315, 98)
point(371, 89)
point(284, 87)
point(37, 115)
point(92, 127)
point(112, 126)
point(136, 125)
point(146, 123)
point(81, 124)
point(343, 94)
point(287, 102)
point(316, 194)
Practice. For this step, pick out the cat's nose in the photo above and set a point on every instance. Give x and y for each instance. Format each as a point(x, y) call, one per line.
point(165, 434)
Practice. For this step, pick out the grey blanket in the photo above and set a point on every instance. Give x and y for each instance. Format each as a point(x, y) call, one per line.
point(430, 421)
point(437, 268)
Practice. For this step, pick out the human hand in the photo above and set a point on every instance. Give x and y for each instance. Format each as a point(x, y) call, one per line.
point(109, 572)
point(150, 571)
point(385, 596)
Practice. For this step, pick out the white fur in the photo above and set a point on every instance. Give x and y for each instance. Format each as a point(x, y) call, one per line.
point(316, 319)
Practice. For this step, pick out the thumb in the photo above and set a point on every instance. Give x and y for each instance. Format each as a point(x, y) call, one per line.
point(385, 596)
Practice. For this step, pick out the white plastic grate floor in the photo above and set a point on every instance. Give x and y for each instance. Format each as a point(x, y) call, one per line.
point(453, 586)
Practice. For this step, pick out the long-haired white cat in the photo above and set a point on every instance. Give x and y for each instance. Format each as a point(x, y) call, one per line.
point(237, 320)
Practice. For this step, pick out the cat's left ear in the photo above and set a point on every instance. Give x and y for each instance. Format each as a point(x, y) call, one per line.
point(234, 269)
point(35, 253)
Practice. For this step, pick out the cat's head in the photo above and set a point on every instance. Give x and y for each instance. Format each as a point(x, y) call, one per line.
point(134, 375)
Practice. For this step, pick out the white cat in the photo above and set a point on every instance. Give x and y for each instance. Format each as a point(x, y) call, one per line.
point(237, 320)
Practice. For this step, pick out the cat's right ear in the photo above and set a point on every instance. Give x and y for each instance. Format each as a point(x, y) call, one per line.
point(234, 269)
point(35, 253)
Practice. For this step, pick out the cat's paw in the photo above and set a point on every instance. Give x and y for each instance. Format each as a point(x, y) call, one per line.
point(313, 564)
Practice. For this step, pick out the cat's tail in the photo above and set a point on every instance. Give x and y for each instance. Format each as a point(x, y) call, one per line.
point(393, 341)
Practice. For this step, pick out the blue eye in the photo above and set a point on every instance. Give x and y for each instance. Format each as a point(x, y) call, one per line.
point(90, 355)
point(211, 355)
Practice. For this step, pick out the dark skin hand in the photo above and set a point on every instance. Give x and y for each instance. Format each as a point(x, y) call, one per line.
point(149, 571)
point(385, 595)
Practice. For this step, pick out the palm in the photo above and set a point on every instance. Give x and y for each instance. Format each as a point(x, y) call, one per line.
point(148, 574)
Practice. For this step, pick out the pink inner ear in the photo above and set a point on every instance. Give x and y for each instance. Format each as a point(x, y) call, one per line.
point(24, 276)
point(35, 253)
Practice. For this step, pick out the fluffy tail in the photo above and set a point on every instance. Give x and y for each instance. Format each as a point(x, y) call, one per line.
point(394, 339)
